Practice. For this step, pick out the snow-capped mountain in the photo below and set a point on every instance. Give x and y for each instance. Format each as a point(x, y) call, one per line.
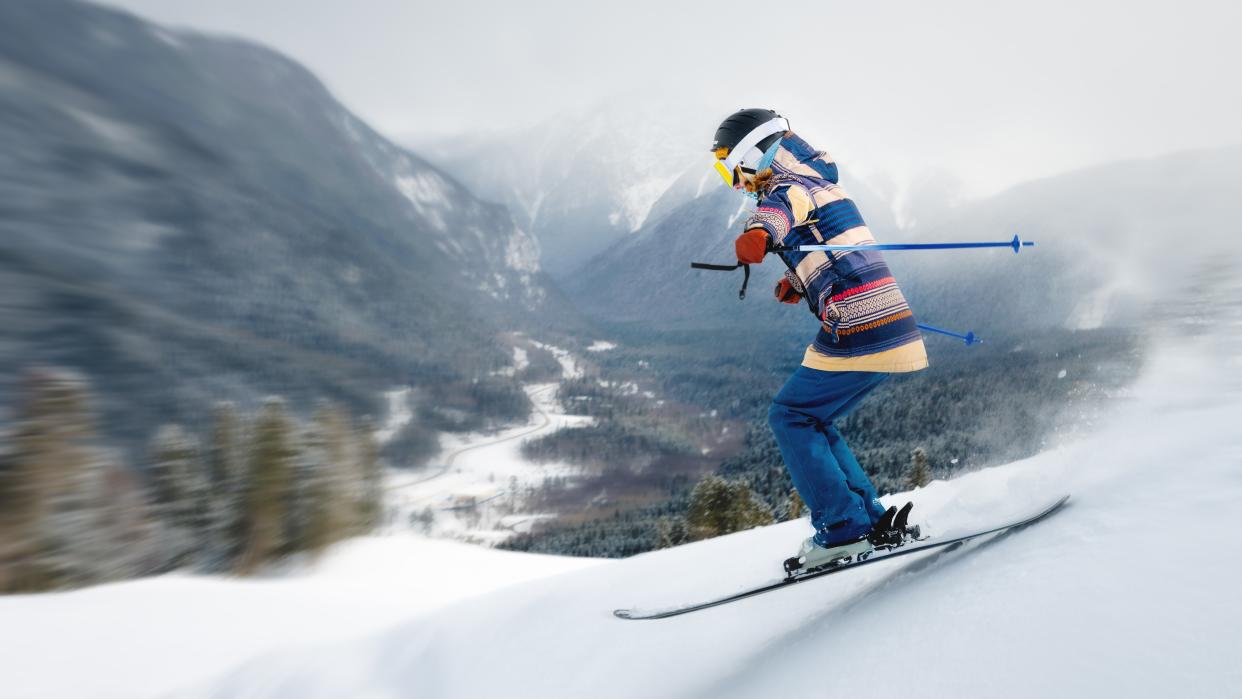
point(583, 181)
point(189, 217)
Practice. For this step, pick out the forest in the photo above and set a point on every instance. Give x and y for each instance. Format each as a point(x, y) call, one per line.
point(227, 496)
point(975, 407)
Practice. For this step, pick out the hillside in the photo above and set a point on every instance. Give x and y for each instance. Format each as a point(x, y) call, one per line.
point(188, 218)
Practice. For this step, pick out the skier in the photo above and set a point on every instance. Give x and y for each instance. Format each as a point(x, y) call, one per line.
point(867, 329)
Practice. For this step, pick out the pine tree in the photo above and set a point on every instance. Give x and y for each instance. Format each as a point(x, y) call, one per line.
point(370, 502)
point(124, 519)
point(721, 507)
point(670, 531)
point(794, 505)
point(324, 511)
point(52, 532)
point(920, 469)
point(178, 492)
point(268, 488)
point(226, 472)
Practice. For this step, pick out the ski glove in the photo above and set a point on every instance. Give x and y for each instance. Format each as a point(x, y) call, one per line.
point(786, 293)
point(751, 246)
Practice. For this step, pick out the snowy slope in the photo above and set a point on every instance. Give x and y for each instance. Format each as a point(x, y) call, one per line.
point(1125, 593)
point(145, 638)
point(1130, 591)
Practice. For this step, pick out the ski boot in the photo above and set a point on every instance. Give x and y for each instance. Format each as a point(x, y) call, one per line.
point(811, 556)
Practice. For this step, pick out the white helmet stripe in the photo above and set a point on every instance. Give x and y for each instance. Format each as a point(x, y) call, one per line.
point(752, 139)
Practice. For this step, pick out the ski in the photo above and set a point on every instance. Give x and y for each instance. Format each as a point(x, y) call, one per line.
point(636, 614)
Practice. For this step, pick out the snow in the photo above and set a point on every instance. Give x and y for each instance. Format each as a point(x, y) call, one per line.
point(742, 208)
point(119, 135)
point(1092, 309)
point(471, 485)
point(1129, 591)
point(427, 192)
point(637, 195)
point(421, 188)
point(601, 346)
point(569, 366)
point(146, 638)
point(166, 37)
point(520, 362)
point(399, 414)
point(703, 180)
point(475, 487)
point(1121, 594)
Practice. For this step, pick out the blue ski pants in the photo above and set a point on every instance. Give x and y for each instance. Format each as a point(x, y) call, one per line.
point(842, 500)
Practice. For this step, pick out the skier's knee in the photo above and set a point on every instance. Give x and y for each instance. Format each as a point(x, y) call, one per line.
point(777, 415)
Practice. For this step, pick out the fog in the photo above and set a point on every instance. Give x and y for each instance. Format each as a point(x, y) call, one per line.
point(982, 95)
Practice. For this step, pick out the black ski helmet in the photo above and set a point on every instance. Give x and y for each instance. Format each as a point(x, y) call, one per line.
point(742, 139)
point(735, 127)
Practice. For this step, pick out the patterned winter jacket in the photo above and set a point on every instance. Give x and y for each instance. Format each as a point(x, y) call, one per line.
point(867, 324)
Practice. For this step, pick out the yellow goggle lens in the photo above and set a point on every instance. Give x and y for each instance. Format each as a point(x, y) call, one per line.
point(725, 173)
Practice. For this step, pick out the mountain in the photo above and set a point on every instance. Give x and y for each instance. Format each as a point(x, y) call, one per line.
point(580, 182)
point(188, 217)
point(1109, 238)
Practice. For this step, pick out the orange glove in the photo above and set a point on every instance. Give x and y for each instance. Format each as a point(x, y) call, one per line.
point(752, 246)
point(786, 293)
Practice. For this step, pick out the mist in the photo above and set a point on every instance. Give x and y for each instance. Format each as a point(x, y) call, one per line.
point(975, 94)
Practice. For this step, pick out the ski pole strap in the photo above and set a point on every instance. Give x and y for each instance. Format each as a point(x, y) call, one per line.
point(741, 294)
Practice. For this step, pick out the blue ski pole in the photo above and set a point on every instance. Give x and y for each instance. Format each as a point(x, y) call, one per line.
point(969, 338)
point(1016, 244)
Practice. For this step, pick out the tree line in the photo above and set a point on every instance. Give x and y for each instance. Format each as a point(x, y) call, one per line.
point(227, 496)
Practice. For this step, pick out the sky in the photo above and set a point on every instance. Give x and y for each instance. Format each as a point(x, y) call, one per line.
point(980, 94)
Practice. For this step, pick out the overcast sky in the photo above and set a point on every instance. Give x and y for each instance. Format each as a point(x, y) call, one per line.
point(991, 93)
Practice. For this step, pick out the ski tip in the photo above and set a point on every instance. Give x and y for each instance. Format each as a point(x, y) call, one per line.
point(1056, 505)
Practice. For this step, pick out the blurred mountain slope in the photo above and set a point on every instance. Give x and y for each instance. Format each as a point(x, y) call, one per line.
point(186, 217)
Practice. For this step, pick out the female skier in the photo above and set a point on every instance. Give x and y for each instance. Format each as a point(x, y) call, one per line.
point(867, 331)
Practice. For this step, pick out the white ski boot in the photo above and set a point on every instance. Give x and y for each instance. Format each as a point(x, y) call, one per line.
point(812, 556)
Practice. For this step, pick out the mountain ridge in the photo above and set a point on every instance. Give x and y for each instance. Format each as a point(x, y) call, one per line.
point(189, 218)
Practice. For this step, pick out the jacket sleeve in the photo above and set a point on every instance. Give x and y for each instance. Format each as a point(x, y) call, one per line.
point(780, 211)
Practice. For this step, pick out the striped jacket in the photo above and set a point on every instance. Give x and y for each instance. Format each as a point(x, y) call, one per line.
point(867, 324)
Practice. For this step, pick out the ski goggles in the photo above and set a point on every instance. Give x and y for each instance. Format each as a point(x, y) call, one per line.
point(728, 161)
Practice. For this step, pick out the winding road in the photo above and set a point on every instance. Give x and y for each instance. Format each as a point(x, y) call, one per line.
point(544, 421)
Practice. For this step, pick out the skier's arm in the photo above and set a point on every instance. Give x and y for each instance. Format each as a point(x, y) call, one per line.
point(781, 211)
